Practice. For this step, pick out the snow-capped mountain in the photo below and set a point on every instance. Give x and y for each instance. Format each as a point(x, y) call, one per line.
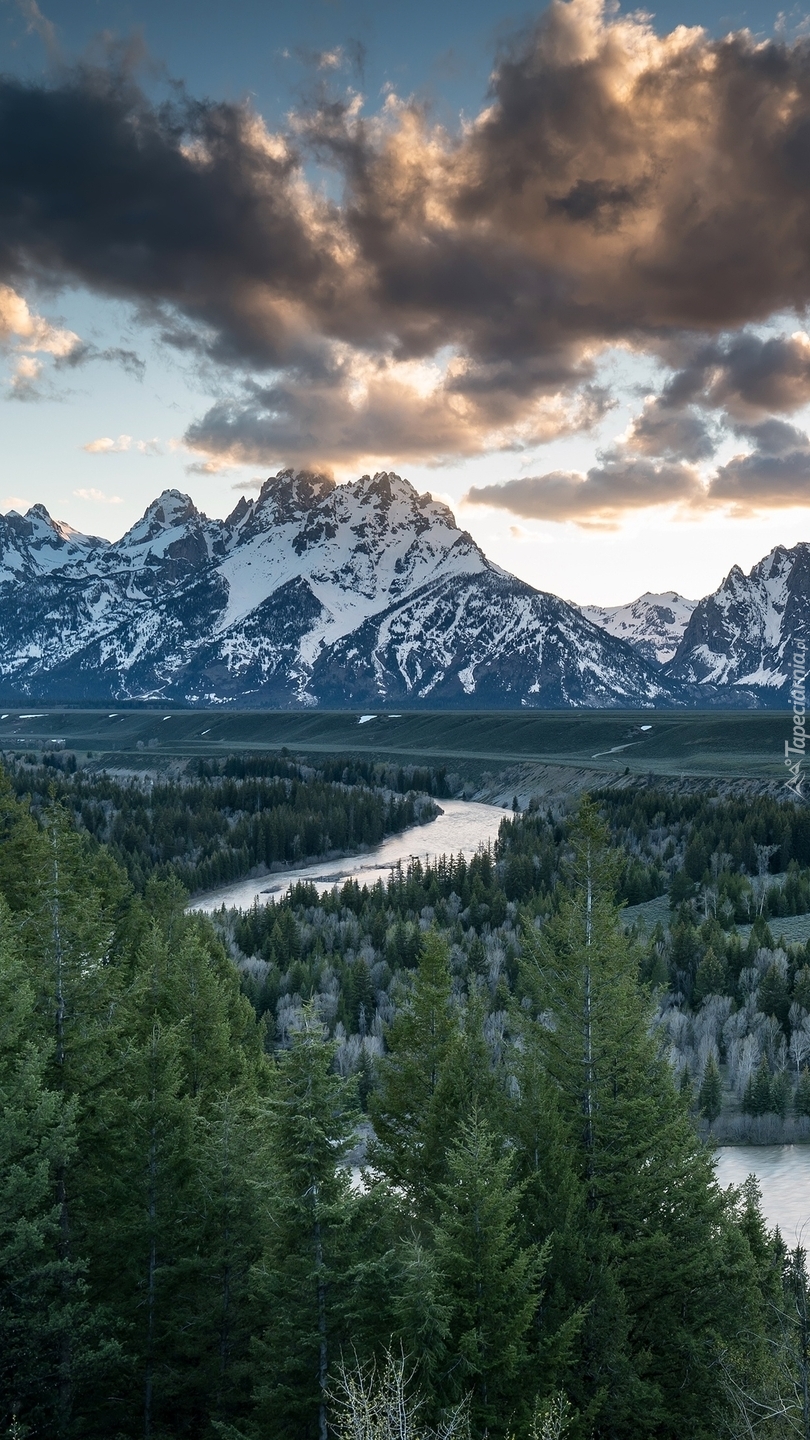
point(311, 594)
point(743, 635)
point(653, 624)
point(34, 544)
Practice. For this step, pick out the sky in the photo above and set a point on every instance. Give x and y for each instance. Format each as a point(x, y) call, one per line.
point(552, 265)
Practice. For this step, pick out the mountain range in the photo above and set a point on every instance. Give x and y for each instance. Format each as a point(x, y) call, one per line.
point(361, 595)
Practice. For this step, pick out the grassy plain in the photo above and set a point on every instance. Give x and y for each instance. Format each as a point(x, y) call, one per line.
point(721, 745)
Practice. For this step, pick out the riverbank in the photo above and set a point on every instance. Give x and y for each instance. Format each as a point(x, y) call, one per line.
point(461, 827)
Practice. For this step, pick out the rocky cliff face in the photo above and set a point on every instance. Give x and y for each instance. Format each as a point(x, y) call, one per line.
point(742, 636)
point(312, 594)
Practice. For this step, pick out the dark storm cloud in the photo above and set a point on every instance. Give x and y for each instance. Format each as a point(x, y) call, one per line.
point(746, 375)
point(671, 432)
point(618, 188)
point(190, 207)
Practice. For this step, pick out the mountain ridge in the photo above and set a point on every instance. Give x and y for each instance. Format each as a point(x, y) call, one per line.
point(362, 594)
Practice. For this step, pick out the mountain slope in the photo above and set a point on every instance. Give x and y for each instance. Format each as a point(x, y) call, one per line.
point(34, 544)
point(654, 624)
point(312, 594)
point(744, 634)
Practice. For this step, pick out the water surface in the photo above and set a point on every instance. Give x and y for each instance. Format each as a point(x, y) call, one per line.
point(783, 1172)
point(463, 826)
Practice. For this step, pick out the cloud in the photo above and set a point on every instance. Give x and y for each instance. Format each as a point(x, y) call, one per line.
point(24, 378)
point(774, 474)
point(84, 353)
point(618, 188)
point(666, 431)
point(38, 24)
point(105, 445)
point(746, 375)
point(33, 335)
point(18, 322)
point(354, 411)
point(98, 496)
point(609, 490)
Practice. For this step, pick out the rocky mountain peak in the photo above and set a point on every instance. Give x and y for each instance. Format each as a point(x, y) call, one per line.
point(654, 623)
point(743, 634)
point(292, 493)
point(171, 510)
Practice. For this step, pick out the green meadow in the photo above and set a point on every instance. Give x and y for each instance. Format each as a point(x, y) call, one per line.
point(710, 744)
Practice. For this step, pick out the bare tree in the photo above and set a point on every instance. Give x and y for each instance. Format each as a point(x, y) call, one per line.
point(763, 854)
point(551, 1419)
point(371, 1402)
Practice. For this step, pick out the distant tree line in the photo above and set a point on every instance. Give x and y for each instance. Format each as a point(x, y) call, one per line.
point(227, 818)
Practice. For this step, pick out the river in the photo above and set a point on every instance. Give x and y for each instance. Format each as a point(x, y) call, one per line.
point(783, 1172)
point(463, 826)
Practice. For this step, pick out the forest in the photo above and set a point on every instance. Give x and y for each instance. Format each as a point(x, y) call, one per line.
point(235, 817)
point(430, 1149)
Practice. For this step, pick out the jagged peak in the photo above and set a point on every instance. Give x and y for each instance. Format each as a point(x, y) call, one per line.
point(301, 487)
point(56, 531)
point(170, 511)
point(240, 510)
point(735, 575)
point(171, 508)
point(39, 512)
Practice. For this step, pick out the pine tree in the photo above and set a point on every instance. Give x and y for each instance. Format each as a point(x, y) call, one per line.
point(304, 1276)
point(42, 1301)
point(65, 917)
point(794, 1350)
point(234, 1162)
point(182, 1126)
point(657, 1224)
point(780, 1094)
point(773, 996)
point(553, 1212)
point(408, 1108)
point(757, 1096)
point(711, 977)
point(801, 1098)
point(710, 1095)
point(489, 1279)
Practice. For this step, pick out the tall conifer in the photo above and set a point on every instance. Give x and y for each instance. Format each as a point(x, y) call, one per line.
point(658, 1231)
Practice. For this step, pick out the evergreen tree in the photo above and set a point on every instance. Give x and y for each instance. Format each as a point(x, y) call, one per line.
point(801, 987)
point(65, 916)
point(710, 1095)
point(757, 1095)
point(711, 977)
point(780, 1094)
point(303, 1277)
point(43, 1306)
point(657, 1220)
point(408, 1108)
point(773, 996)
point(180, 1121)
point(489, 1280)
point(794, 1349)
point(801, 1098)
